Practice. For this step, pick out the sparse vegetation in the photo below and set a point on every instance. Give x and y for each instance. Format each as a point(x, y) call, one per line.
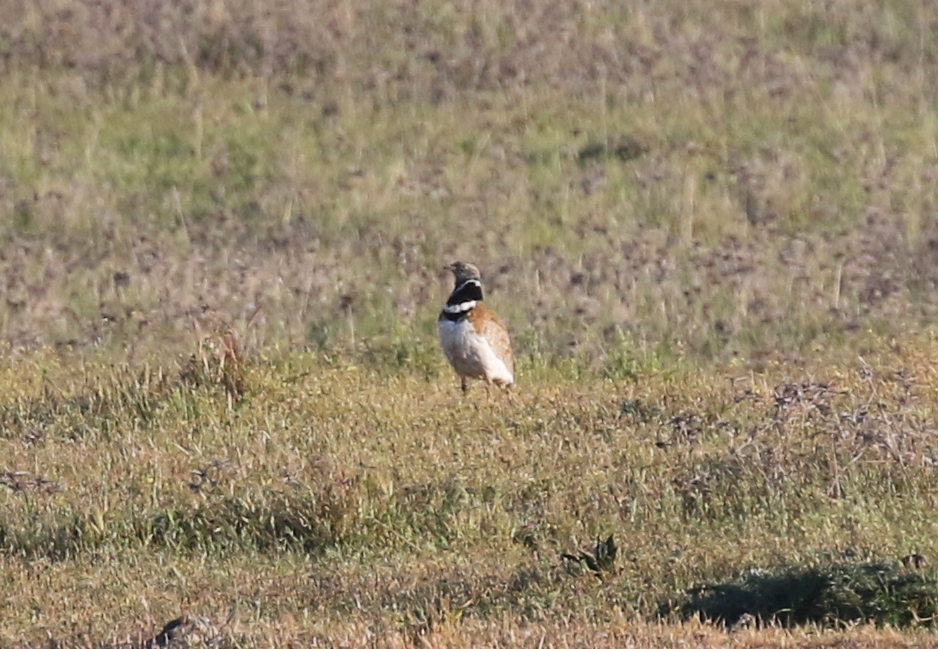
point(222, 232)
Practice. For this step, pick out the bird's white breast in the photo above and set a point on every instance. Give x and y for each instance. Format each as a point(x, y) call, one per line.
point(470, 353)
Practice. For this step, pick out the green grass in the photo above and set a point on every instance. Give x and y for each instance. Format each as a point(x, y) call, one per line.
point(828, 593)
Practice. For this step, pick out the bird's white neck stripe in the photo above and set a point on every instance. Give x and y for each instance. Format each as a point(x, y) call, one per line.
point(462, 307)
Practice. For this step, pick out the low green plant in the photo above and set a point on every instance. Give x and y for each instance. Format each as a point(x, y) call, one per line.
point(837, 593)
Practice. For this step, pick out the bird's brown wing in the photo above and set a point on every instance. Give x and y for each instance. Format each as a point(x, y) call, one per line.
point(492, 327)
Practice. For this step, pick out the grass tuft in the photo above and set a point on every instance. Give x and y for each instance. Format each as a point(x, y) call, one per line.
point(833, 593)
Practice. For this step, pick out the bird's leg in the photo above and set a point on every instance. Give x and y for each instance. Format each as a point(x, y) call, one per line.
point(510, 393)
point(465, 386)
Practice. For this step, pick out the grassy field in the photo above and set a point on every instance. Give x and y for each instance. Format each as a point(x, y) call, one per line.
point(363, 505)
point(710, 227)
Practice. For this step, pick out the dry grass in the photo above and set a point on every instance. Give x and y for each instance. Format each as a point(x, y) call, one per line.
point(351, 502)
point(222, 236)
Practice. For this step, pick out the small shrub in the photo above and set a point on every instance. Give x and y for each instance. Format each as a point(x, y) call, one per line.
point(218, 360)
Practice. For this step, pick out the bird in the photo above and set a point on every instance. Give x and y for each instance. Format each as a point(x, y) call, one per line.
point(474, 339)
